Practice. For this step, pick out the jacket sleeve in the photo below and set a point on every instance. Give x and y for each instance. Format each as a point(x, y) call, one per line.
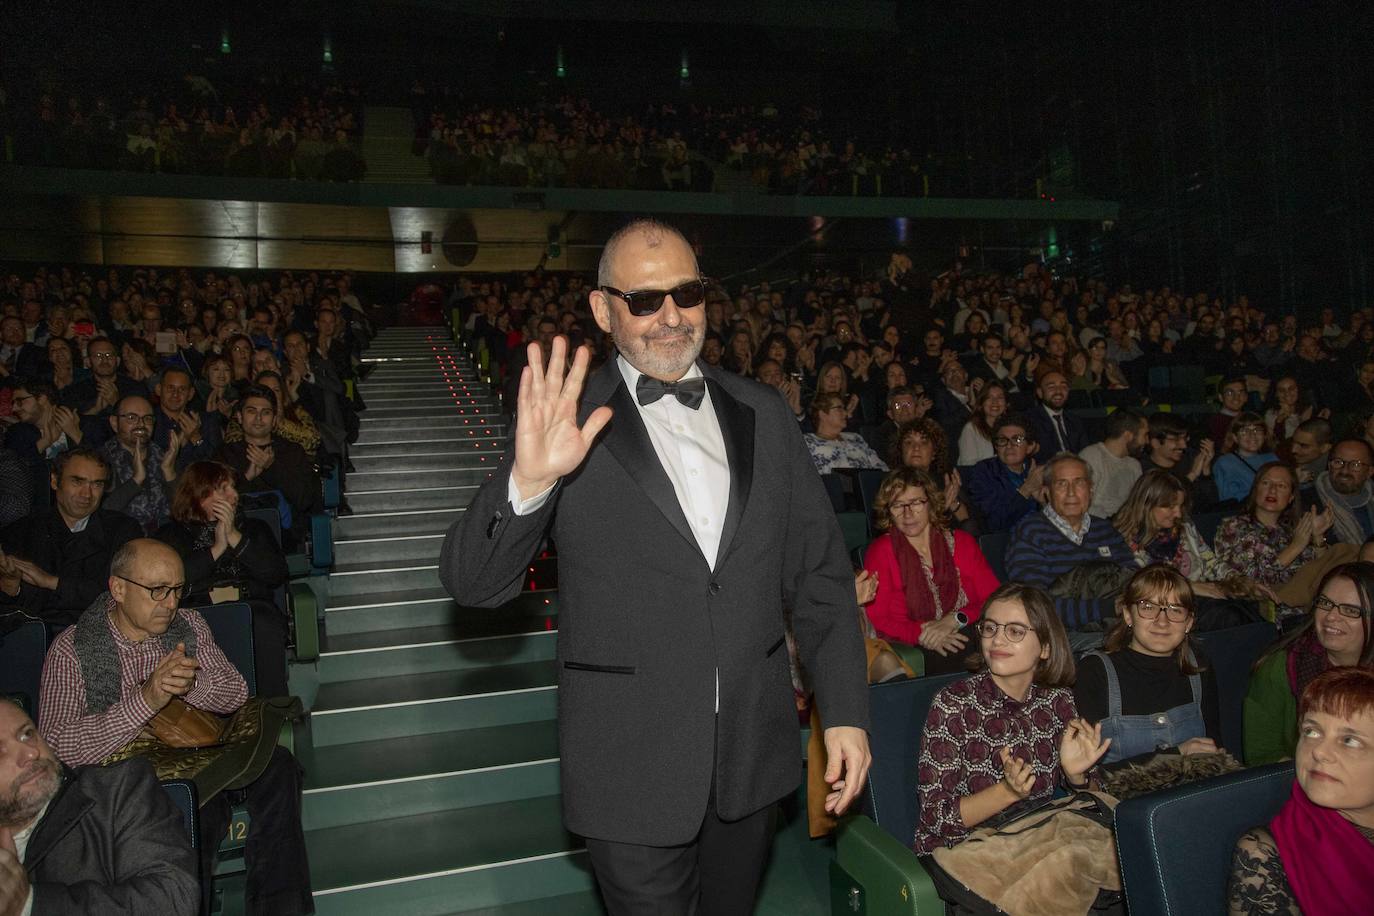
point(1270, 713)
point(260, 555)
point(155, 869)
point(887, 611)
point(818, 583)
point(486, 553)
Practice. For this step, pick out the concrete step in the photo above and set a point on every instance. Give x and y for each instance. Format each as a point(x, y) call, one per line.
point(491, 425)
point(371, 615)
point(389, 653)
point(388, 524)
point(451, 474)
point(411, 499)
point(424, 443)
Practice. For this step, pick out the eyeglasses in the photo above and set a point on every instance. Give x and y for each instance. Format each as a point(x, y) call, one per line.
point(1247, 430)
point(157, 592)
point(910, 505)
point(647, 301)
point(1015, 632)
point(1149, 610)
point(1004, 441)
point(138, 419)
point(1324, 603)
point(1356, 464)
point(104, 357)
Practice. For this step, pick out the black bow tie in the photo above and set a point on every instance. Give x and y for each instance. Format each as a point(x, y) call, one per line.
point(688, 391)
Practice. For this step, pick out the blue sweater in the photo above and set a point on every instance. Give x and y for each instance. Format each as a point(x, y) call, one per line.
point(1038, 554)
point(993, 490)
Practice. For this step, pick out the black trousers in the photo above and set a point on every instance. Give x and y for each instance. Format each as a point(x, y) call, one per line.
point(274, 853)
point(269, 648)
point(716, 874)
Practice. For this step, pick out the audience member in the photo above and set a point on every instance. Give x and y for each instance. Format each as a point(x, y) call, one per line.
point(1008, 485)
point(228, 557)
point(1114, 468)
point(140, 471)
point(199, 434)
point(1062, 536)
point(1235, 395)
point(932, 580)
point(55, 560)
point(1336, 633)
point(975, 441)
point(1315, 855)
point(1169, 437)
point(922, 446)
point(830, 446)
point(266, 462)
point(1058, 430)
point(1309, 447)
point(1148, 689)
point(1010, 736)
point(131, 653)
point(94, 840)
point(1244, 449)
point(44, 431)
point(99, 395)
point(1155, 525)
point(1344, 489)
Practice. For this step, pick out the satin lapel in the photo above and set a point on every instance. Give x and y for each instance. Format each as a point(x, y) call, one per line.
point(737, 429)
point(628, 440)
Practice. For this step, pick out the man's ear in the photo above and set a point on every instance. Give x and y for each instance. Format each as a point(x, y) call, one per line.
point(601, 309)
point(117, 587)
point(114, 423)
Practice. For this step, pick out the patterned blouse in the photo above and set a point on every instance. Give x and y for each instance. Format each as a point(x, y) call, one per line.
point(1252, 549)
point(848, 451)
point(970, 721)
point(1258, 885)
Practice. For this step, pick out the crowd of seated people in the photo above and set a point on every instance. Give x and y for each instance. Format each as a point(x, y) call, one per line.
point(246, 127)
point(166, 440)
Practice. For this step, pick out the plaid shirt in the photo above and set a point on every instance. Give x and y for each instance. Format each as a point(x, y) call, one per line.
point(79, 736)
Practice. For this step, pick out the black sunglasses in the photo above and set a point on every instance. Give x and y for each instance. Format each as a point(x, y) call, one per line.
point(647, 301)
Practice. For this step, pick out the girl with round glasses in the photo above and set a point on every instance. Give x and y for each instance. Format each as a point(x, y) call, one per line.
point(1337, 633)
point(1147, 687)
point(1008, 737)
point(932, 580)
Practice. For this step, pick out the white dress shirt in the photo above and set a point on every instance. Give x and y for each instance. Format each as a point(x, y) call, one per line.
point(691, 448)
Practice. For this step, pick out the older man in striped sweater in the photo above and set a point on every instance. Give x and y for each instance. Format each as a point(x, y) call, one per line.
point(1046, 544)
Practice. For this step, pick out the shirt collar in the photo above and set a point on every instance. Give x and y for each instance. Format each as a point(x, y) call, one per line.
point(1058, 521)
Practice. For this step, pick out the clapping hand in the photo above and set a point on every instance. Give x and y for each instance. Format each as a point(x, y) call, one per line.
point(226, 529)
point(952, 486)
point(174, 676)
point(260, 458)
point(1080, 747)
point(169, 456)
point(189, 422)
point(1017, 775)
point(548, 442)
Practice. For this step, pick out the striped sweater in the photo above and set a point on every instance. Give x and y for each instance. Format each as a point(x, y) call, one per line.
point(1039, 553)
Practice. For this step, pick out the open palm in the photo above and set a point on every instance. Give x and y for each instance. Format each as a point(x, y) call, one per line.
point(548, 442)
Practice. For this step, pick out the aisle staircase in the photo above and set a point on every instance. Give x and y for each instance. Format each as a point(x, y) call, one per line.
point(432, 756)
point(388, 135)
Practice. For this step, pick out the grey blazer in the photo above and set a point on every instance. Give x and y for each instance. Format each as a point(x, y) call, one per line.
point(112, 841)
point(644, 623)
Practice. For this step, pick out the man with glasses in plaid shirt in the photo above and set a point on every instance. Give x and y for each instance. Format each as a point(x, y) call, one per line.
point(131, 652)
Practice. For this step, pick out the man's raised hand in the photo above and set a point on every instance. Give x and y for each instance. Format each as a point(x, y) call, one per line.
point(548, 442)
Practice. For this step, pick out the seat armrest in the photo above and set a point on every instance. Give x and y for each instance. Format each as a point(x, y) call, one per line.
point(888, 874)
point(305, 614)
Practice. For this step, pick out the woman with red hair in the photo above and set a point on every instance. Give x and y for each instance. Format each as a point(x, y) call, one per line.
point(1315, 857)
point(230, 558)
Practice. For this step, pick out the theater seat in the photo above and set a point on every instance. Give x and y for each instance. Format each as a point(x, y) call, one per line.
point(874, 865)
point(21, 664)
point(183, 794)
point(1175, 846)
point(994, 548)
point(1231, 653)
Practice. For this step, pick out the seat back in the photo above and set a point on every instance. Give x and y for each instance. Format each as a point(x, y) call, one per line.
point(897, 714)
point(270, 518)
point(231, 624)
point(182, 792)
point(1175, 846)
point(994, 546)
point(1231, 653)
point(21, 663)
point(1207, 524)
point(834, 488)
point(869, 483)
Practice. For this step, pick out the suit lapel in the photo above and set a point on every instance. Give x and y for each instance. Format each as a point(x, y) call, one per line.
point(628, 441)
point(737, 429)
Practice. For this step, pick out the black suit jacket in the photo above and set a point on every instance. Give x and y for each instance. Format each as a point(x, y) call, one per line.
point(112, 841)
point(80, 561)
point(1043, 430)
point(645, 623)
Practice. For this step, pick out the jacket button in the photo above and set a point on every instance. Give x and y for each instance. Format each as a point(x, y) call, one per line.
point(1160, 720)
point(713, 589)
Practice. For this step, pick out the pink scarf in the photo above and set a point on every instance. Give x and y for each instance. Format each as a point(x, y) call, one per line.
point(1327, 860)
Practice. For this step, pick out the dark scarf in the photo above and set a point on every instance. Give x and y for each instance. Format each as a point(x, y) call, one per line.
point(226, 570)
point(101, 667)
point(916, 581)
point(1165, 547)
point(1306, 659)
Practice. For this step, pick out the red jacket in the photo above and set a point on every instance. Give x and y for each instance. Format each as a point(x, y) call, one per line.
point(888, 610)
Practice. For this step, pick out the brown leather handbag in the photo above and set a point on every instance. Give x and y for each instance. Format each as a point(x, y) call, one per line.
point(182, 725)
